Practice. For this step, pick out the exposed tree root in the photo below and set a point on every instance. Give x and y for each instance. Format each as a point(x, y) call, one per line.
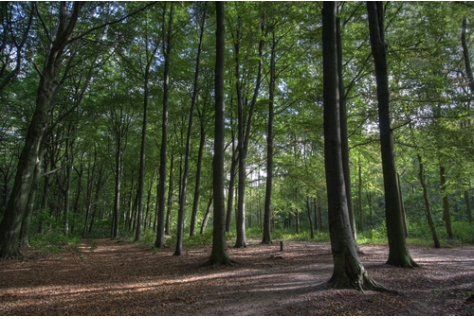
point(365, 282)
point(221, 262)
point(406, 263)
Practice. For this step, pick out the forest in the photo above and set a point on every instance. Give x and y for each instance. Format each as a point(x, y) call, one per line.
point(221, 132)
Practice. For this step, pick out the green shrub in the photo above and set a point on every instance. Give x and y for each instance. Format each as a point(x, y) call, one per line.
point(464, 232)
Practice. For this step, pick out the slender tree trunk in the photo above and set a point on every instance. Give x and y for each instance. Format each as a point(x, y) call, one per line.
point(446, 212)
point(219, 253)
point(182, 197)
point(206, 215)
point(348, 270)
point(404, 213)
point(344, 138)
point(359, 200)
point(398, 251)
point(230, 194)
point(467, 63)
point(160, 236)
point(308, 206)
point(197, 188)
point(78, 193)
point(169, 204)
point(427, 204)
point(267, 211)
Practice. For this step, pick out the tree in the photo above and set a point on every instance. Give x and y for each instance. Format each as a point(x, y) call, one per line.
point(219, 253)
point(182, 195)
point(160, 236)
point(348, 270)
point(398, 252)
point(29, 158)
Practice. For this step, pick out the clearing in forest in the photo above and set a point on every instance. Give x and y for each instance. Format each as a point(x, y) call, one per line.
point(116, 278)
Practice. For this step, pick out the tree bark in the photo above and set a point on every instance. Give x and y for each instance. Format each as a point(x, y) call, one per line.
point(219, 253)
point(344, 138)
point(427, 203)
point(267, 210)
point(398, 251)
point(11, 223)
point(348, 270)
point(182, 197)
point(197, 188)
point(160, 236)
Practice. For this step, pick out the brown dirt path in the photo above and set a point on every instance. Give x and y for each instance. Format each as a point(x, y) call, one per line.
point(124, 279)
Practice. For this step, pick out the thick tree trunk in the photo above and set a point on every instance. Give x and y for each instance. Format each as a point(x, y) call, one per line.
point(160, 236)
point(219, 253)
point(11, 223)
point(348, 270)
point(398, 251)
point(427, 204)
point(25, 226)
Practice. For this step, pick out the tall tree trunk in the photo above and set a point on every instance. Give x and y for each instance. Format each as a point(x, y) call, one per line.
point(11, 223)
point(182, 196)
point(427, 204)
point(267, 210)
point(398, 251)
point(219, 253)
point(344, 138)
point(348, 270)
point(160, 236)
point(467, 63)
point(244, 125)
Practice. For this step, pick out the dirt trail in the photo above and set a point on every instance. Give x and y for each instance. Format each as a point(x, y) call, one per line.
point(123, 279)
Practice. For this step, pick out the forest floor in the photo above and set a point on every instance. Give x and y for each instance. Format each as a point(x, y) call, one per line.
point(116, 278)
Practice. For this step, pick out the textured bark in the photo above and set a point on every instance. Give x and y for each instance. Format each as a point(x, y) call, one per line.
point(160, 236)
point(348, 270)
point(427, 203)
point(398, 251)
point(402, 205)
point(219, 253)
point(308, 207)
